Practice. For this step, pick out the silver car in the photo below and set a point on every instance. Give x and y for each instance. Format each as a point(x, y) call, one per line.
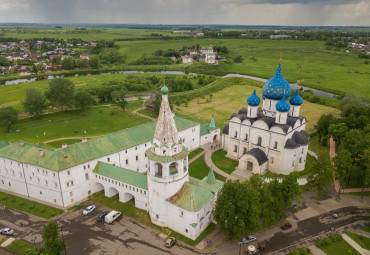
point(248, 239)
point(7, 231)
point(89, 209)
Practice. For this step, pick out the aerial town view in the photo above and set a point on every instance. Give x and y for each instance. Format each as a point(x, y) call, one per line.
point(209, 127)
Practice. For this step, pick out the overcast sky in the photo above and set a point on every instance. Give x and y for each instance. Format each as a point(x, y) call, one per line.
point(243, 12)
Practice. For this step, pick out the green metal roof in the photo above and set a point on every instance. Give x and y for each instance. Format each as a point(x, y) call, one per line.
point(79, 153)
point(211, 179)
point(206, 129)
point(165, 159)
point(3, 143)
point(121, 174)
point(195, 194)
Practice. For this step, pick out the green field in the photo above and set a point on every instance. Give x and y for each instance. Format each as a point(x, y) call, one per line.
point(232, 98)
point(198, 169)
point(97, 121)
point(307, 61)
point(22, 248)
point(28, 206)
point(364, 242)
point(194, 153)
point(221, 161)
point(87, 35)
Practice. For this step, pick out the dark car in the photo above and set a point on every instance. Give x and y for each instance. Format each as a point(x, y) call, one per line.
point(102, 216)
point(286, 226)
point(170, 242)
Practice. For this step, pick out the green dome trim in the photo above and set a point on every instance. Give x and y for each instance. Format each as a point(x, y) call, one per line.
point(164, 90)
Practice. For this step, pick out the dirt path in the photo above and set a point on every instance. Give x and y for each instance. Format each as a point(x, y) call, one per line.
point(69, 138)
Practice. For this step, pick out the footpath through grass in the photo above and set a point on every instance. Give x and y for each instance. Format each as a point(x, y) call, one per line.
point(28, 206)
point(142, 216)
point(148, 113)
point(335, 245)
point(198, 169)
point(363, 241)
point(224, 163)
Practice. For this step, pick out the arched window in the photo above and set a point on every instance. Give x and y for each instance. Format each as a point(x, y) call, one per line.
point(246, 137)
point(158, 169)
point(173, 168)
point(236, 134)
point(259, 141)
point(245, 150)
point(275, 145)
point(235, 148)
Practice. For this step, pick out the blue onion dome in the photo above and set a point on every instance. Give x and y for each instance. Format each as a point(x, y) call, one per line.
point(253, 100)
point(296, 99)
point(164, 90)
point(276, 87)
point(282, 105)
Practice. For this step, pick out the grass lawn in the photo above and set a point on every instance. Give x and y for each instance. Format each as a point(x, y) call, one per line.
point(364, 242)
point(367, 229)
point(307, 61)
point(316, 146)
point(198, 169)
point(229, 100)
point(339, 248)
point(22, 248)
point(142, 216)
point(97, 121)
point(148, 113)
point(28, 206)
point(366, 194)
point(194, 153)
point(221, 161)
point(303, 251)
point(133, 105)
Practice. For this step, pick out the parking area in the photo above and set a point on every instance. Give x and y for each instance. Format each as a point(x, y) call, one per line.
point(84, 235)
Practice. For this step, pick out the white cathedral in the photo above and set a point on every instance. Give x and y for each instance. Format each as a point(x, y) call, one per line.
point(272, 137)
point(148, 163)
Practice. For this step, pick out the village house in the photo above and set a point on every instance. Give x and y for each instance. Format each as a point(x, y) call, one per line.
point(186, 59)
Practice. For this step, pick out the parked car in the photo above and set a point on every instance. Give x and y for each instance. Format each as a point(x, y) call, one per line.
point(248, 239)
point(101, 216)
point(286, 226)
point(7, 231)
point(89, 209)
point(112, 216)
point(170, 242)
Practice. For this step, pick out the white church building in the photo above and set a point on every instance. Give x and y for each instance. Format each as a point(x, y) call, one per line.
point(271, 137)
point(148, 162)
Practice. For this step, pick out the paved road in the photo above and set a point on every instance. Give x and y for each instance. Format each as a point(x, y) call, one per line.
point(306, 232)
point(84, 235)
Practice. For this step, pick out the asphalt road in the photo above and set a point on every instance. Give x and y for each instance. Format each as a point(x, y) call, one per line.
point(84, 235)
point(308, 231)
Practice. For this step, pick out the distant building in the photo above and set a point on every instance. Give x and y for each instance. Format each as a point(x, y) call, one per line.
point(84, 56)
point(210, 56)
point(187, 59)
point(279, 36)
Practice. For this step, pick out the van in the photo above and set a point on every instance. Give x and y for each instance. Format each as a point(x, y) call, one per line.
point(112, 216)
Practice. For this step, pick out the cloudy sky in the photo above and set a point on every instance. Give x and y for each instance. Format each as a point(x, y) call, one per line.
point(243, 12)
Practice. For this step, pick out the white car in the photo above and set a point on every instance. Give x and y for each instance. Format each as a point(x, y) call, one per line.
point(89, 209)
point(6, 231)
point(248, 239)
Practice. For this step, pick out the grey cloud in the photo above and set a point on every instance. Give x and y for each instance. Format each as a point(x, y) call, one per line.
point(306, 2)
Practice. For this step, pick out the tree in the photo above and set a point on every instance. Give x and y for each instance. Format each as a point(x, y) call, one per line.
point(35, 102)
point(68, 63)
point(355, 141)
point(364, 165)
point(118, 98)
point(338, 131)
point(8, 117)
point(238, 59)
point(236, 214)
point(322, 127)
point(83, 99)
point(320, 176)
point(61, 92)
point(343, 164)
point(157, 103)
point(94, 62)
point(50, 235)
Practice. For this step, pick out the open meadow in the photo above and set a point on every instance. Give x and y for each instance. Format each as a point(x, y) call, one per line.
point(229, 100)
point(97, 121)
point(307, 61)
point(88, 34)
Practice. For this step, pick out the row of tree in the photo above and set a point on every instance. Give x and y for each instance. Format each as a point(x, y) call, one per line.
point(244, 207)
point(351, 132)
